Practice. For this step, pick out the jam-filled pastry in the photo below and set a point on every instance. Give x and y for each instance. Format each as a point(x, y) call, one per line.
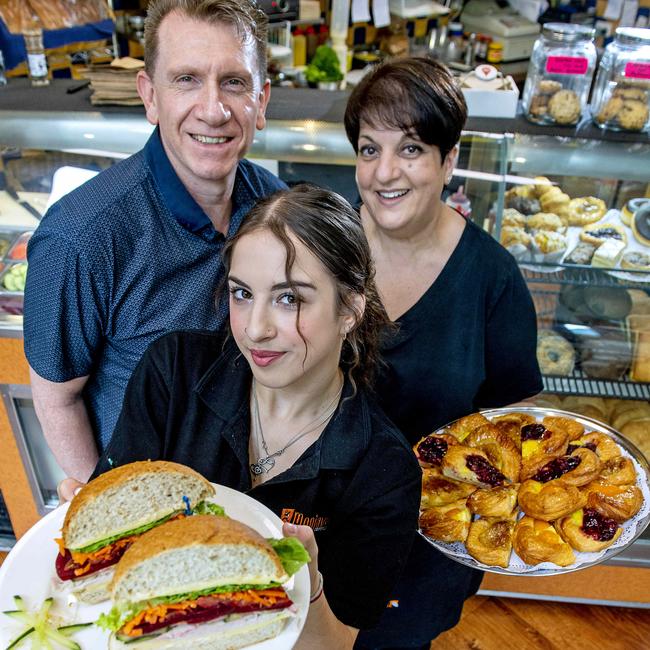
point(588, 531)
point(490, 540)
point(432, 448)
point(538, 446)
point(511, 429)
point(500, 449)
point(572, 428)
point(438, 490)
point(463, 427)
point(579, 468)
point(598, 442)
point(494, 502)
point(448, 523)
point(471, 465)
point(618, 502)
point(549, 501)
point(617, 471)
point(536, 541)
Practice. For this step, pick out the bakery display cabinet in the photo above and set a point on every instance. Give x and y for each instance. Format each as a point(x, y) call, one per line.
point(587, 275)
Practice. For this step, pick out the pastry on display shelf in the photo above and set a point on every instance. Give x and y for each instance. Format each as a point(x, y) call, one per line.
point(636, 260)
point(513, 235)
point(556, 201)
point(586, 210)
point(578, 499)
point(641, 225)
point(605, 352)
point(641, 365)
point(524, 204)
point(548, 241)
point(608, 254)
point(599, 233)
point(545, 221)
point(631, 207)
point(555, 354)
point(513, 219)
point(581, 254)
point(610, 303)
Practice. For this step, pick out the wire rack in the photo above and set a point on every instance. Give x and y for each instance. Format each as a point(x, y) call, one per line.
point(583, 275)
point(577, 384)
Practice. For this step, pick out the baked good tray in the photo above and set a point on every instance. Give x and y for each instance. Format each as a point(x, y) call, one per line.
point(632, 528)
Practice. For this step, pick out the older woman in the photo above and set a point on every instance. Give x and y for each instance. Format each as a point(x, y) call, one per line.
point(467, 329)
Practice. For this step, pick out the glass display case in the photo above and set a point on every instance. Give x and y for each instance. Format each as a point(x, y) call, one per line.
point(599, 370)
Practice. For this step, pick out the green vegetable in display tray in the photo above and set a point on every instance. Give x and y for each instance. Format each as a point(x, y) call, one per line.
point(40, 631)
point(14, 278)
point(324, 66)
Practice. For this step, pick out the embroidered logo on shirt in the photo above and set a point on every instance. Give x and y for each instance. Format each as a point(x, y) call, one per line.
point(292, 516)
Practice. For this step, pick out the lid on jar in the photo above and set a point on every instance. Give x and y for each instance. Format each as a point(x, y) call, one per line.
point(568, 32)
point(633, 35)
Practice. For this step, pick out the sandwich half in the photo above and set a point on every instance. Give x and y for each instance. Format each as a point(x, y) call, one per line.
point(113, 510)
point(203, 582)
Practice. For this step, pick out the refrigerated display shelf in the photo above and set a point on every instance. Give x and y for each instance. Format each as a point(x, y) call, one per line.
point(577, 384)
point(585, 276)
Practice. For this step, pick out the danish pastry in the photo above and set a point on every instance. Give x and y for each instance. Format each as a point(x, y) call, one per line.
point(537, 541)
point(465, 425)
point(636, 260)
point(556, 201)
point(517, 417)
point(471, 465)
point(500, 449)
point(490, 541)
point(579, 468)
point(602, 445)
point(599, 233)
point(513, 218)
point(493, 502)
point(438, 490)
point(571, 427)
point(512, 235)
point(538, 440)
point(549, 501)
point(512, 430)
point(586, 210)
point(618, 502)
point(617, 471)
point(549, 241)
point(588, 531)
point(448, 523)
point(432, 448)
point(545, 221)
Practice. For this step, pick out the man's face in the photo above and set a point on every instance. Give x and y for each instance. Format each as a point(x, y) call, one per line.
point(206, 97)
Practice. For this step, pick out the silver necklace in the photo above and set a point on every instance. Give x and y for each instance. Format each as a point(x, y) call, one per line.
point(267, 463)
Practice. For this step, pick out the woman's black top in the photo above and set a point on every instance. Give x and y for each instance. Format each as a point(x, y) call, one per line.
point(468, 343)
point(358, 485)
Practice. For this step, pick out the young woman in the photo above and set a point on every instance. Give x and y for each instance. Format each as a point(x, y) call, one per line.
point(467, 331)
point(278, 407)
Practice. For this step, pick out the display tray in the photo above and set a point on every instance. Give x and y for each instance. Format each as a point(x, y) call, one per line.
point(632, 528)
point(28, 571)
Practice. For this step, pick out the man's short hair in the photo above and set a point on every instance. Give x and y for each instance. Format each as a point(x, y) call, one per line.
point(248, 20)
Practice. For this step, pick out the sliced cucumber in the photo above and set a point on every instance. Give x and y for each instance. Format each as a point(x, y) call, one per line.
point(61, 639)
point(71, 629)
point(19, 638)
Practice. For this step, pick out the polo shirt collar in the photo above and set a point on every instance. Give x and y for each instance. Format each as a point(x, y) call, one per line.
point(225, 390)
point(180, 202)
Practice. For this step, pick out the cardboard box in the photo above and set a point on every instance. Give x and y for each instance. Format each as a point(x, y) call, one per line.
point(492, 103)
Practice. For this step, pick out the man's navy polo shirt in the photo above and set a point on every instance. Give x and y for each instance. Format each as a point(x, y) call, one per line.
point(120, 261)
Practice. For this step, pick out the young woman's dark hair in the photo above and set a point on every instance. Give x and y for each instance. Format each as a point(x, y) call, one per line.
point(410, 94)
point(331, 230)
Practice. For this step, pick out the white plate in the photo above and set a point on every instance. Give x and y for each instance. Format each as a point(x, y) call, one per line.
point(632, 528)
point(29, 569)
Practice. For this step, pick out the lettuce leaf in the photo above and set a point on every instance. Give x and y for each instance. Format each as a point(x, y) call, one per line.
point(202, 508)
point(291, 552)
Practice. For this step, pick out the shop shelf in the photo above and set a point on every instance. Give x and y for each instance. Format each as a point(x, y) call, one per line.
point(584, 275)
point(578, 384)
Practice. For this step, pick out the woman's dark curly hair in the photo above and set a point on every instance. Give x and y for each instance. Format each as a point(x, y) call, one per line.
point(331, 230)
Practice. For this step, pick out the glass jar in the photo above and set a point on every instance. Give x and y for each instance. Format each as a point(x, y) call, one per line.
point(559, 74)
point(622, 90)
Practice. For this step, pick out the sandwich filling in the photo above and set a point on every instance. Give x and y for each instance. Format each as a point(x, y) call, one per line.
point(77, 563)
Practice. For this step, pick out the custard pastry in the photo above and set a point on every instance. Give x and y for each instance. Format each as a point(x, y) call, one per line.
point(619, 502)
point(588, 531)
point(549, 501)
point(571, 427)
point(438, 490)
point(465, 425)
point(448, 523)
point(500, 449)
point(471, 465)
point(490, 541)
point(548, 241)
point(539, 445)
point(494, 502)
point(432, 448)
point(537, 541)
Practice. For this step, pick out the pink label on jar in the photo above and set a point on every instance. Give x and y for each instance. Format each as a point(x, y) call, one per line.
point(567, 65)
point(637, 70)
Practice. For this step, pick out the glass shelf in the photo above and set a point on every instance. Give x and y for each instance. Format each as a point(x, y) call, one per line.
point(583, 275)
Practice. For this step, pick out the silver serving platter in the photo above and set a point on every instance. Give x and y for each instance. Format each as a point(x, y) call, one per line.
point(590, 424)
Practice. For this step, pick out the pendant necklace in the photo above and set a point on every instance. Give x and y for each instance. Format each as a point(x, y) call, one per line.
point(266, 463)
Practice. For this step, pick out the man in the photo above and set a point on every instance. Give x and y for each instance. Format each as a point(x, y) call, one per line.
point(135, 252)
